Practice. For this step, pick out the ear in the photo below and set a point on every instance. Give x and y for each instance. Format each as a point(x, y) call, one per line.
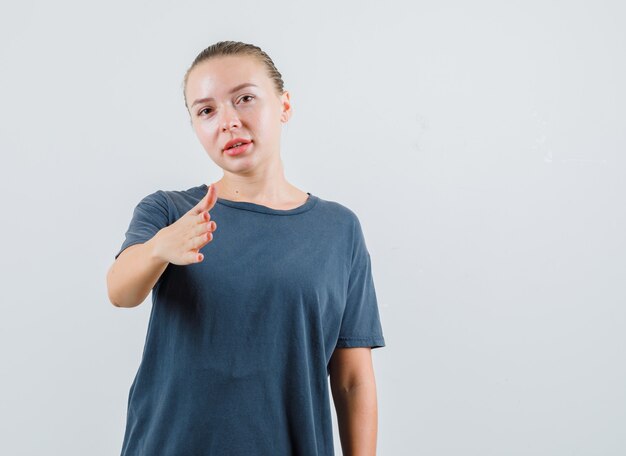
point(286, 106)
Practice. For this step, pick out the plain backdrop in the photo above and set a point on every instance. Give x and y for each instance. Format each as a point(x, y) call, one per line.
point(480, 143)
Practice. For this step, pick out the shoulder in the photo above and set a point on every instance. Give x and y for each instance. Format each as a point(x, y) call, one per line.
point(341, 218)
point(176, 197)
point(338, 211)
point(156, 198)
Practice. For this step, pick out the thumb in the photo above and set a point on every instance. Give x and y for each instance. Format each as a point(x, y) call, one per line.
point(208, 201)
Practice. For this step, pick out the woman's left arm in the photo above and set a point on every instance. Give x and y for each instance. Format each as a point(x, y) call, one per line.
point(354, 393)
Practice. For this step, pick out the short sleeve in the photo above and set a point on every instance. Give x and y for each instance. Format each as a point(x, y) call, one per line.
point(360, 325)
point(149, 216)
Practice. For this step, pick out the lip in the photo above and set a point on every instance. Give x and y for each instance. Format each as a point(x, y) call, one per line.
point(235, 141)
point(238, 150)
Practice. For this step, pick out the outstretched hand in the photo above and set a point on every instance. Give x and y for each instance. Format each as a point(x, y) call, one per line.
point(180, 242)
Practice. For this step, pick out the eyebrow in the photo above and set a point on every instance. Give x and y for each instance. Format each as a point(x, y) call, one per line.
point(233, 90)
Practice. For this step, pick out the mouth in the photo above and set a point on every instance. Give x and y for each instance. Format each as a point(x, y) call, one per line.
point(236, 142)
point(238, 148)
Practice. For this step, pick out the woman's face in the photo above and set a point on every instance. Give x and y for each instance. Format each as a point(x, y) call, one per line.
point(222, 107)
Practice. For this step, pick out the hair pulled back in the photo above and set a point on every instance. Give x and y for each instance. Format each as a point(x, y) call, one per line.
point(224, 48)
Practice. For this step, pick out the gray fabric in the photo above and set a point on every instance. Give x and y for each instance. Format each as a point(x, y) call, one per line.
point(237, 349)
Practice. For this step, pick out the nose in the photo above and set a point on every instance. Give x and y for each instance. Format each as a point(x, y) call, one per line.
point(230, 119)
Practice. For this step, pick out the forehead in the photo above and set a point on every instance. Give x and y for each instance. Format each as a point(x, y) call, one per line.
point(216, 76)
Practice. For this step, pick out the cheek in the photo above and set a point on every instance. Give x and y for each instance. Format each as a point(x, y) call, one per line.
point(268, 120)
point(208, 137)
point(207, 132)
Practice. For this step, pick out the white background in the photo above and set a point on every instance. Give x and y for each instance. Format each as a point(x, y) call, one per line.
point(480, 143)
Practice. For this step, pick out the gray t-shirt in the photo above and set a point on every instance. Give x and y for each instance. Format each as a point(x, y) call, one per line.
point(237, 349)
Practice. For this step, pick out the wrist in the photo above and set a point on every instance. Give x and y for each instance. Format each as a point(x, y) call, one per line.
point(154, 251)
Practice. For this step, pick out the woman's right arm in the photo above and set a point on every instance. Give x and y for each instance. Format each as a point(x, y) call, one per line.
point(139, 266)
point(134, 274)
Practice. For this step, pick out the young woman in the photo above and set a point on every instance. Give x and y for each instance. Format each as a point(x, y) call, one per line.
point(260, 291)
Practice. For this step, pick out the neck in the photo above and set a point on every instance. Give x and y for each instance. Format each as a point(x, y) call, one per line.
point(269, 186)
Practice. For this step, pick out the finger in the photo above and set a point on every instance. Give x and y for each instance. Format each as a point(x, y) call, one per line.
point(204, 228)
point(203, 217)
point(194, 256)
point(207, 202)
point(197, 242)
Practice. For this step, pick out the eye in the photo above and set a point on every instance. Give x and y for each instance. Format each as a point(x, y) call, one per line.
point(201, 111)
point(246, 96)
